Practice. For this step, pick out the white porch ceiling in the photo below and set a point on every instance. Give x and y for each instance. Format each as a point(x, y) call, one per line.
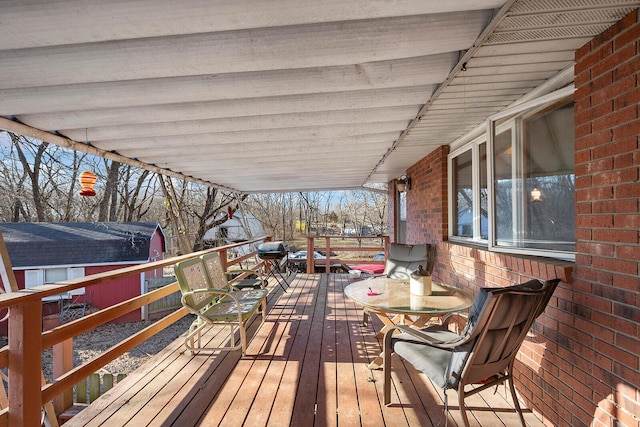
point(282, 95)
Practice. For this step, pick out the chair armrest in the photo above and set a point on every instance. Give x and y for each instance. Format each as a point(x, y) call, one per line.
point(244, 270)
point(428, 340)
point(449, 317)
point(411, 331)
point(213, 291)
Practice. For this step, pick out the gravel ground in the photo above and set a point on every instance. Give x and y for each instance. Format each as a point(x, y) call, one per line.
point(93, 343)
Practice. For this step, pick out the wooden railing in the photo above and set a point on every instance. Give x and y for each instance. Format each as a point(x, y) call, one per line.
point(311, 247)
point(23, 355)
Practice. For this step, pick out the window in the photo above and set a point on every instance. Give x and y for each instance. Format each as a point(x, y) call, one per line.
point(401, 230)
point(469, 217)
point(525, 185)
point(39, 277)
point(53, 275)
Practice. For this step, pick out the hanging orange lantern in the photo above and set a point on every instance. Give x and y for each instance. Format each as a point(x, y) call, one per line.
point(87, 181)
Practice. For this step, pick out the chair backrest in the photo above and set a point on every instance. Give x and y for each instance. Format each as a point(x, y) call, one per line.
point(498, 324)
point(215, 270)
point(404, 259)
point(192, 276)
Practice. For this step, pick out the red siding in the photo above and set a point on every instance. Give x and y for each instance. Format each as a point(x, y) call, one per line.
point(106, 294)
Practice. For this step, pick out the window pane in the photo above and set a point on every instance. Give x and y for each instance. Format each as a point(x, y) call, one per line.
point(53, 275)
point(484, 198)
point(402, 208)
point(504, 183)
point(463, 185)
point(549, 180)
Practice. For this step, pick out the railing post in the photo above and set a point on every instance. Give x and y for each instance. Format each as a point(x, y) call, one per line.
point(63, 363)
point(327, 260)
point(25, 363)
point(310, 258)
point(224, 259)
point(386, 248)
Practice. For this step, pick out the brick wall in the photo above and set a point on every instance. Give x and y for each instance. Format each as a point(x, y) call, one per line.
point(604, 336)
point(427, 199)
point(580, 366)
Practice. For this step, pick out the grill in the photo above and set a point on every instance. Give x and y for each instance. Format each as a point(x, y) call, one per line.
point(273, 250)
point(272, 253)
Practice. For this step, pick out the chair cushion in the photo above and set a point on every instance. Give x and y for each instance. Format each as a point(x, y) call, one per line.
point(432, 361)
point(403, 259)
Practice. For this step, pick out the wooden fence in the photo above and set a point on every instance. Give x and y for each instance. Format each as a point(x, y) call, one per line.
point(161, 307)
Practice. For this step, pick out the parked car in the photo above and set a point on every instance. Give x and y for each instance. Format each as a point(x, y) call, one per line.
point(298, 262)
point(303, 255)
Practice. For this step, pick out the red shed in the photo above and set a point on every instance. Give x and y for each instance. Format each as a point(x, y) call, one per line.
point(50, 252)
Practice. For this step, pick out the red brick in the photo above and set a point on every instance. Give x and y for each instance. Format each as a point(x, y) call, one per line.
point(590, 58)
point(600, 165)
point(592, 194)
point(629, 35)
point(583, 234)
point(582, 156)
point(603, 206)
point(631, 222)
point(615, 206)
point(615, 119)
point(582, 104)
point(580, 56)
point(615, 177)
point(612, 61)
point(617, 28)
point(627, 130)
point(583, 208)
point(623, 161)
point(627, 190)
point(582, 129)
point(631, 97)
point(594, 221)
point(622, 146)
point(613, 90)
point(594, 112)
point(615, 236)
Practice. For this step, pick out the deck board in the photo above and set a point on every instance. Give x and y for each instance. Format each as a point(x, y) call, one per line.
point(306, 365)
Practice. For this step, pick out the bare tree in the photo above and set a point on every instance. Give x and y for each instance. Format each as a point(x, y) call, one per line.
point(109, 199)
point(32, 169)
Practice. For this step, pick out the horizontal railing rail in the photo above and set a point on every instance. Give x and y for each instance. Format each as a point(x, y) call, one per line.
point(23, 355)
point(311, 247)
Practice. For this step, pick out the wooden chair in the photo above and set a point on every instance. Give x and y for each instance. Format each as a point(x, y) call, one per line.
point(485, 351)
point(215, 305)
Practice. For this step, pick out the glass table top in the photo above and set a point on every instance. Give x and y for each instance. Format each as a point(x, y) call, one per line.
point(393, 296)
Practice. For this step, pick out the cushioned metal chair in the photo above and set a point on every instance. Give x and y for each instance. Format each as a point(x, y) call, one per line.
point(403, 259)
point(485, 351)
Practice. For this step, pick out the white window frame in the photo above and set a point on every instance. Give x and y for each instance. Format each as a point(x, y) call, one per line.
point(492, 130)
point(35, 277)
point(510, 118)
point(474, 146)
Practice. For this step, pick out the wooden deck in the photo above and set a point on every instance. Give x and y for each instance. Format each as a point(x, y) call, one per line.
point(306, 365)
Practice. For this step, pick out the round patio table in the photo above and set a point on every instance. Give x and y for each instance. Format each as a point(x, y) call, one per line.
point(392, 302)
